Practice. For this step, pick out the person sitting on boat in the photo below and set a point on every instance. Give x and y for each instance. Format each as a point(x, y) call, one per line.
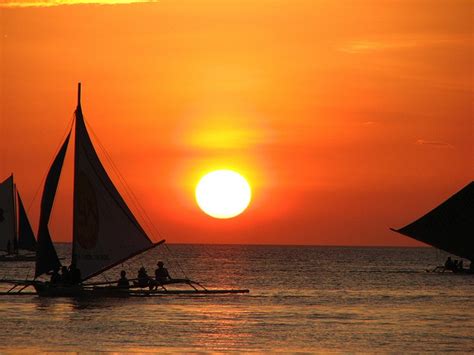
point(55, 277)
point(65, 275)
point(75, 274)
point(142, 278)
point(161, 274)
point(449, 265)
point(123, 281)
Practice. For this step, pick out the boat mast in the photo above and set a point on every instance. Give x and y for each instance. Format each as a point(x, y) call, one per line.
point(78, 94)
point(77, 113)
point(15, 220)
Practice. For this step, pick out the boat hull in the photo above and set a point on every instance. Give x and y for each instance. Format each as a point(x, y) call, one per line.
point(48, 290)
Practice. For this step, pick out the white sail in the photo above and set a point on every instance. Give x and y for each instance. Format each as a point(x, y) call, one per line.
point(7, 215)
point(105, 232)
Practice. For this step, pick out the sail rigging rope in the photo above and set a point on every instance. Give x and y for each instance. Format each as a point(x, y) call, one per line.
point(133, 198)
point(176, 261)
point(138, 207)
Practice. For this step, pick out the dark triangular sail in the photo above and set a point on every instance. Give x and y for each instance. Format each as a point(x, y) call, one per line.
point(26, 237)
point(105, 232)
point(450, 226)
point(46, 256)
point(7, 215)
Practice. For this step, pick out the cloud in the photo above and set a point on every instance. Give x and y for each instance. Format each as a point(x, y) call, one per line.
point(52, 3)
point(384, 44)
point(362, 46)
point(435, 143)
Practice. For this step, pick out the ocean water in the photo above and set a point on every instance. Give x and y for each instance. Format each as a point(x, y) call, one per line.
point(302, 299)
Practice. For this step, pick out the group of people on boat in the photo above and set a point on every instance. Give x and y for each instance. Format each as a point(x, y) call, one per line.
point(72, 276)
point(162, 276)
point(68, 276)
point(457, 265)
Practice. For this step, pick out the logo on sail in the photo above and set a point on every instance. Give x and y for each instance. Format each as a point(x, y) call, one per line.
point(86, 213)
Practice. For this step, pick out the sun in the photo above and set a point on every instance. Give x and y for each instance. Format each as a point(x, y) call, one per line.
point(223, 194)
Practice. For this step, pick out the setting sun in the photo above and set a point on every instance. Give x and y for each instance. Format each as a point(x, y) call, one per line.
point(223, 194)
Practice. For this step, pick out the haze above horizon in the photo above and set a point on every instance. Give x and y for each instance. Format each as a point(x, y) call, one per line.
point(345, 118)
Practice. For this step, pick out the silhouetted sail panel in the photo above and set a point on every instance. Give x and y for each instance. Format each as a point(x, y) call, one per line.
point(450, 226)
point(105, 232)
point(26, 237)
point(7, 215)
point(46, 257)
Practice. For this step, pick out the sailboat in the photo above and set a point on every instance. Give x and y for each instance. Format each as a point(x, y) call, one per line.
point(449, 226)
point(105, 231)
point(16, 234)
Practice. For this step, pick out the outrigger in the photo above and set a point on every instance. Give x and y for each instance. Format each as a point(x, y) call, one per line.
point(105, 231)
point(109, 289)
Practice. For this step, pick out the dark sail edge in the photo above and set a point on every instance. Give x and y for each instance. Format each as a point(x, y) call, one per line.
point(105, 231)
point(449, 227)
point(26, 237)
point(46, 256)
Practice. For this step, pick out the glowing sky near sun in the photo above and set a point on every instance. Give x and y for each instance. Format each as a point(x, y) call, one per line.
point(346, 117)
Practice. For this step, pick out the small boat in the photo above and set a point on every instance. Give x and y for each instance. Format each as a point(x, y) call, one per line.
point(105, 231)
point(109, 289)
point(16, 234)
point(449, 227)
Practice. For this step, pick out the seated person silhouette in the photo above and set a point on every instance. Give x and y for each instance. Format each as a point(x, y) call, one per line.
point(75, 274)
point(449, 265)
point(55, 277)
point(123, 281)
point(65, 276)
point(143, 280)
point(161, 274)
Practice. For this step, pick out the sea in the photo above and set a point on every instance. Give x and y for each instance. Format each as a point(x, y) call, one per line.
point(302, 299)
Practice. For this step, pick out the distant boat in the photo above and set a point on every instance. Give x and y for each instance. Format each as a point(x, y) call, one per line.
point(105, 231)
point(449, 227)
point(15, 229)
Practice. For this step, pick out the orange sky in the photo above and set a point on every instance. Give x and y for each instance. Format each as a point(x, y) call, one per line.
point(347, 117)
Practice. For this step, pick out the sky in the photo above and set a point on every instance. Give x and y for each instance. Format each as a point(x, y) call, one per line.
point(346, 117)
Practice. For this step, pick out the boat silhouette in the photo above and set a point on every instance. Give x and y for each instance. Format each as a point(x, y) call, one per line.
point(16, 234)
point(449, 226)
point(105, 231)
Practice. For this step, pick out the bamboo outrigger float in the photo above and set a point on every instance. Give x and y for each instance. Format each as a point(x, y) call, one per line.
point(109, 289)
point(105, 231)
